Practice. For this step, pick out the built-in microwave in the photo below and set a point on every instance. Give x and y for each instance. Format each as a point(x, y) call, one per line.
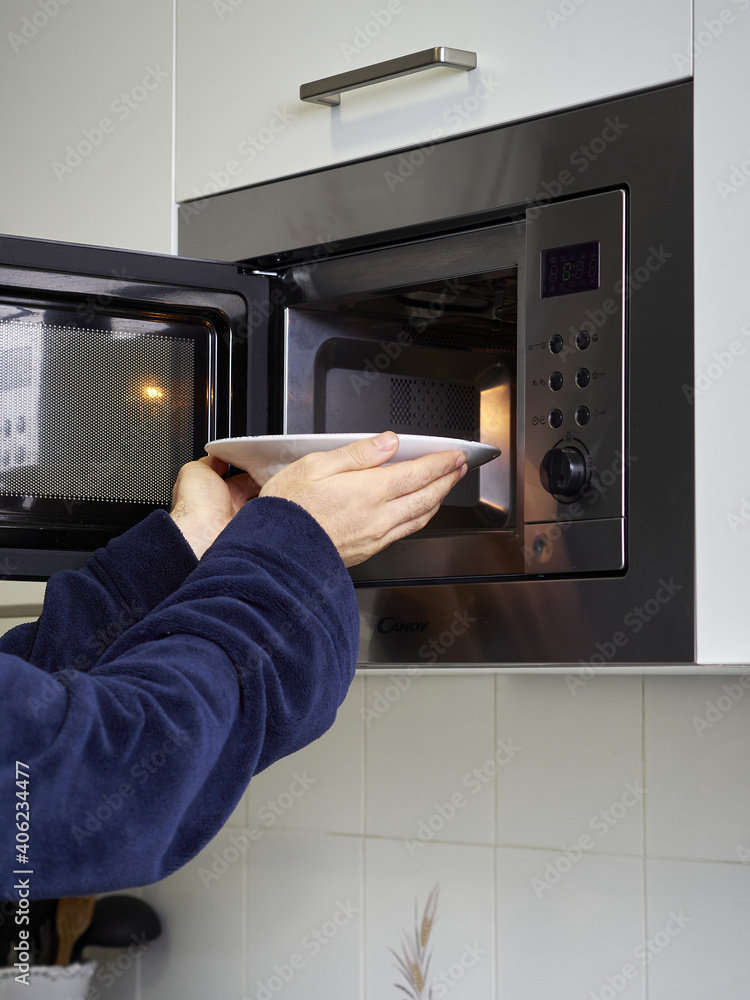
point(527, 286)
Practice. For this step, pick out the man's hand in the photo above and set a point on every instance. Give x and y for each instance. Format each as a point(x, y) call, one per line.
point(203, 503)
point(362, 507)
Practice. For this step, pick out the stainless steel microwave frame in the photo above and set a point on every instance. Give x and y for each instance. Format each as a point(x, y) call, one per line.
point(587, 554)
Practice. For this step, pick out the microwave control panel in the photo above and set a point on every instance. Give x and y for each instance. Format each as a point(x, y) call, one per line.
point(574, 393)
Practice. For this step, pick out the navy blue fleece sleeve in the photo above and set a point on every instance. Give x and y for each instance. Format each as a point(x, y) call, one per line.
point(137, 763)
point(85, 610)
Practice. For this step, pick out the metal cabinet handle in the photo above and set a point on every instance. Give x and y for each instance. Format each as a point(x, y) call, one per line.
point(328, 90)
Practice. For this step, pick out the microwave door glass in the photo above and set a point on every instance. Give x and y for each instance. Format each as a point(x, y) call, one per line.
point(116, 368)
point(96, 418)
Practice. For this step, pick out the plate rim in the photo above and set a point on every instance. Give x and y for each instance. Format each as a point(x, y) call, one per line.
point(354, 435)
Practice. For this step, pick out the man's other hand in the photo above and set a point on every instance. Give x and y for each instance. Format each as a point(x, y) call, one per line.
point(203, 503)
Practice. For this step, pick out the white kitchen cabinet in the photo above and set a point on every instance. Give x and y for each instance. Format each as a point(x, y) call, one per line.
point(87, 129)
point(239, 119)
point(87, 122)
point(717, 400)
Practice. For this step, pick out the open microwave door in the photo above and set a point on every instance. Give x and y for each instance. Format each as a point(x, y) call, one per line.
point(115, 369)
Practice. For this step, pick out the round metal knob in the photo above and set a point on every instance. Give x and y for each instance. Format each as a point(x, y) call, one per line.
point(563, 472)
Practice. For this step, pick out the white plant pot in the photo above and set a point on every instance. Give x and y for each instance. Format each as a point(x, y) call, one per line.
point(48, 982)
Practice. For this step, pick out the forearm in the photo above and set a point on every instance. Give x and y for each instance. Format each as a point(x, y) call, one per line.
point(137, 764)
point(86, 610)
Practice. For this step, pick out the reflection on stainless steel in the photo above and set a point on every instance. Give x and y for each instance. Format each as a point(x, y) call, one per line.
point(448, 357)
point(20, 363)
point(496, 420)
point(570, 546)
point(433, 357)
point(602, 572)
point(601, 439)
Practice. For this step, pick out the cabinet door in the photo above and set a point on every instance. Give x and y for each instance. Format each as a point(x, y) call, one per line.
point(87, 122)
point(718, 394)
point(239, 119)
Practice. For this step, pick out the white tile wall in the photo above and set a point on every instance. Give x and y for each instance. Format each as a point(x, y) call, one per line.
point(578, 775)
point(117, 973)
point(698, 940)
point(697, 752)
point(460, 946)
point(523, 911)
point(568, 924)
point(422, 750)
point(321, 787)
point(202, 910)
point(304, 917)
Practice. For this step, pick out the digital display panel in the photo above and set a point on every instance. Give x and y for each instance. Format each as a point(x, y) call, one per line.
point(570, 269)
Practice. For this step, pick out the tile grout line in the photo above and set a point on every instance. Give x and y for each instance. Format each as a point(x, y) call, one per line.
point(281, 831)
point(495, 833)
point(363, 828)
point(244, 977)
point(139, 964)
point(644, 862)
point(363, 922)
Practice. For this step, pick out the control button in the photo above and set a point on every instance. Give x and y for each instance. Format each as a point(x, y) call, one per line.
point(563, 472)
point(583, 377)
point(555, 418)
point(583, 339)
point(556, 343)
point(583, 415)
point(555, 381)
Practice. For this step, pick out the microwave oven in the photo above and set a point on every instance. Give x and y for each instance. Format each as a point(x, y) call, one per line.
point(529, 286)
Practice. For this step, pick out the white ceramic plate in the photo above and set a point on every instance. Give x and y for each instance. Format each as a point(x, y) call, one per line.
point(266, 455)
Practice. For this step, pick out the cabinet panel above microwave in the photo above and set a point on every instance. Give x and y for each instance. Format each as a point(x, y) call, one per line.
point(243, 122)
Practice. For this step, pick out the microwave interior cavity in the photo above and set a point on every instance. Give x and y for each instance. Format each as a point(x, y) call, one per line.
point(492, 335)
point(437, 359)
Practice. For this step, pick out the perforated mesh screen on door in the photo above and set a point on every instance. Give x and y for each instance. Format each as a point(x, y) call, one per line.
point(94, 414)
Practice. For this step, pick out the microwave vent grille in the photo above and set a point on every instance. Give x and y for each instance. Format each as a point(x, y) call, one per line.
point(459, 338)
point(435, 406)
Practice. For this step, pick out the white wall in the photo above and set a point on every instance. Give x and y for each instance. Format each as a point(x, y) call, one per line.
point(722, 352)
point(86, 114)
point(315, 879)
point(606, 848)
point(65, 66)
